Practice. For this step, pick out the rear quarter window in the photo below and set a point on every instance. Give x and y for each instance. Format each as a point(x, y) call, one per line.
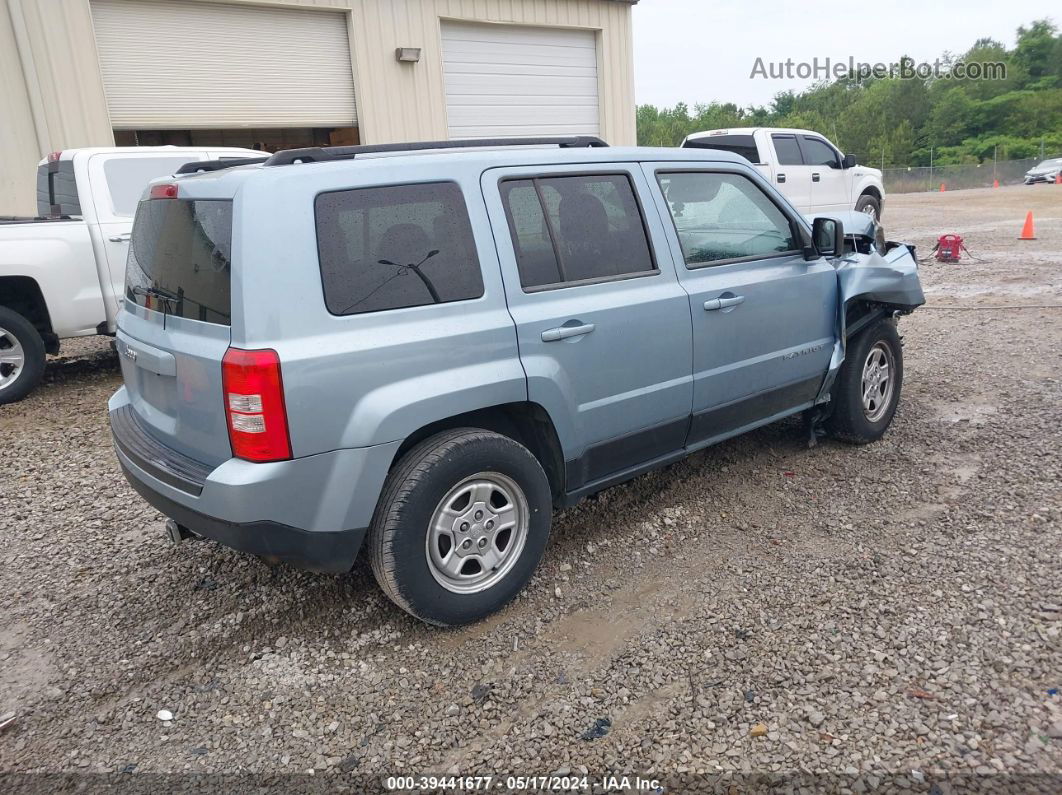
point(396, 247)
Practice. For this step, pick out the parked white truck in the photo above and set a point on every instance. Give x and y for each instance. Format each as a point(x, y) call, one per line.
point(805, 167)
point(62, 273)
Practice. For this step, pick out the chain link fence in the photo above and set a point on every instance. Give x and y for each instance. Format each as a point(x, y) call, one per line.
point(921, 178)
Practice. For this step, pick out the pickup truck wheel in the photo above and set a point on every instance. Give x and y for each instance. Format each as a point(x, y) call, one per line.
point(867, 389)
point(461, 526)
point(21, 356)
point(869, 205)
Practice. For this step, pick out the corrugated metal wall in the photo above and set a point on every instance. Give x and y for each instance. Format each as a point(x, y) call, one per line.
point(52, 94)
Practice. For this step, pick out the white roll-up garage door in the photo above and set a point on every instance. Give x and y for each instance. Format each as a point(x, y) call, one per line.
point(509, 80)
point(182, 65)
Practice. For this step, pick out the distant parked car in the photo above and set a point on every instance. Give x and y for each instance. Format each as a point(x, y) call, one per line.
point(428, 351)
point(804, 166)
point(1047, 171)
point(62, 272)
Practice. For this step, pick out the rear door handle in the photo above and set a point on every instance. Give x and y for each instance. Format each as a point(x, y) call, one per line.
point(781, 177)
point(814, 177)
point(566, 332)
point(121, 238)
point(722, 303)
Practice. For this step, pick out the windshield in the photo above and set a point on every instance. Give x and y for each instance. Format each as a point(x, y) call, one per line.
point(180, 258)
point(1054, 162)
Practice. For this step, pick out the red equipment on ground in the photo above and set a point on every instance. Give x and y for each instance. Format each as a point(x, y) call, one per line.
point(949, 248)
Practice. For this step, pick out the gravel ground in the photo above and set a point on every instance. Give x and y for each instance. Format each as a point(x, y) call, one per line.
point(890, 614)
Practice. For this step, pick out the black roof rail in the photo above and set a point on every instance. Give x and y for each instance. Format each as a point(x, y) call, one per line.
point(317, 154)
point(200, 166)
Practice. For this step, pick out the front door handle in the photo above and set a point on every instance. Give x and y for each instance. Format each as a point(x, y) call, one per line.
point(723, 303)
point(121, 238)
point(815, 177)
point(566, 332)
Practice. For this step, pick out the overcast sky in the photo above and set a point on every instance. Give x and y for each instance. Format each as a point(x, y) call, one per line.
point(704, 50)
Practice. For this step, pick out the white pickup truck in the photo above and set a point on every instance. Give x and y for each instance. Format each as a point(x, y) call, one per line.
point(62, 273)
point(804, 166)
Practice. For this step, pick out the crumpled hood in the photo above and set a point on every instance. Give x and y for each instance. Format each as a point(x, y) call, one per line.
point(854, 222)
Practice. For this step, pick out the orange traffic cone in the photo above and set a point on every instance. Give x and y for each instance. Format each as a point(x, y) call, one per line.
point(1027, 231)
point(941, 187)
point(1058, 178)
point(995, 183)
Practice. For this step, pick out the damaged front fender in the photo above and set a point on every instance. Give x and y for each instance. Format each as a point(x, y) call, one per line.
point(884, 282)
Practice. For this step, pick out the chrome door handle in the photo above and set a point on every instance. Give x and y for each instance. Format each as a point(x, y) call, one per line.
point(566, 332)
point(121, 238)
point(723, 303)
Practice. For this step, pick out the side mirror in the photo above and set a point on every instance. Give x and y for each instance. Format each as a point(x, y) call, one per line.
point(828, 236)
point(848, 161)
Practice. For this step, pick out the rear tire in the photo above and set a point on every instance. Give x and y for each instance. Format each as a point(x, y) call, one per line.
point(22, 356)
point(867, 389)
point(461, 525)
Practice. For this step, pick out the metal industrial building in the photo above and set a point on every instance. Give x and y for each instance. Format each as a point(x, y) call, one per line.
point(282, 73)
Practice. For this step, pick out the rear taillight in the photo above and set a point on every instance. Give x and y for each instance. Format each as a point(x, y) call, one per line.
point(53, 157)
point(163, 192)
point(254, 405)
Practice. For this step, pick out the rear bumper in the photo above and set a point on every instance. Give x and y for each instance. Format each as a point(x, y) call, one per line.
point(311, 512)
point(325, 552)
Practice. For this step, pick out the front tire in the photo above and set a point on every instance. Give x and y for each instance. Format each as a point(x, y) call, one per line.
point(21, 356)
point(461, 525)
point(867, 389)
point(869, 205)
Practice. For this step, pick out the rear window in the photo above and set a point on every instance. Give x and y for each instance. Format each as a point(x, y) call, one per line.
point(128, 176)
point(744, 145)
point(180, 258)
point(396, 247)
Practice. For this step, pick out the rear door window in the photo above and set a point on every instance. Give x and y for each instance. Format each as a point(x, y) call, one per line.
point(787, 149)
point(180, 258)
point(576, 229)
point(396, 247)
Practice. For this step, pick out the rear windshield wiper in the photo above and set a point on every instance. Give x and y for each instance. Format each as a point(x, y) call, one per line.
point(164, 298)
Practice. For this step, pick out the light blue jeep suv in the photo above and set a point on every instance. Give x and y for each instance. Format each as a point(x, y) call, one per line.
point(425, 348)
